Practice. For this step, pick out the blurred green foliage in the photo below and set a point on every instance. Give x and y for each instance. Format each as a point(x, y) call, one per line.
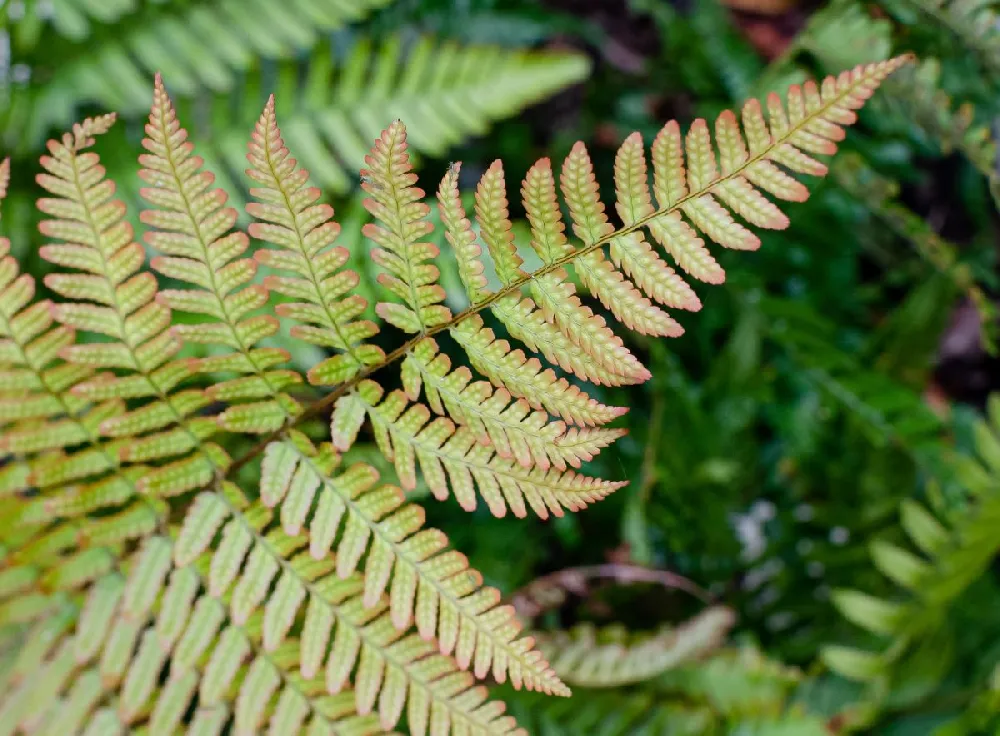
point(812, 432)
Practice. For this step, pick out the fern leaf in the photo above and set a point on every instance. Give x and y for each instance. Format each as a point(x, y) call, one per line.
point(695, 193)
point(445, 454)
point(970, 23)
point(525, 377)
point(304, 231)
point(630, 251)
point(459, 233)
point(201, 47)
point(97, 240)
point(952, 556)
point(590, 225)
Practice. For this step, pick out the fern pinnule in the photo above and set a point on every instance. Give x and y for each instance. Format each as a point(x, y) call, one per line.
point(630, 251)
point(194, 230)
point(399, 208)
point(304, 234)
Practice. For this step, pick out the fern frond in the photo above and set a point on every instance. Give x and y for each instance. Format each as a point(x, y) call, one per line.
point(453, 462)
point(694, 193)
point(348, 615)
point(434, 588)
point(613, 713)
point(235, 620)
point(336, 102)
point(608, 658)
point(971, 23)
point(730, 691)
point(112, 298)
point(512, 428)
point(124, 639)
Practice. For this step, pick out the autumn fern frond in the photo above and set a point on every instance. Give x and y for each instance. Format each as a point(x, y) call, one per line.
point(111, 297)
point(358, 619)
point(477, 442)
point(319, 601)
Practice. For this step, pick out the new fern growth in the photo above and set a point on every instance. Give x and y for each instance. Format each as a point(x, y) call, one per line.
point(143, 589)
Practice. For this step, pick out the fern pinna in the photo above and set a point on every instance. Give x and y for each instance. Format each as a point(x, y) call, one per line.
point(146, 588)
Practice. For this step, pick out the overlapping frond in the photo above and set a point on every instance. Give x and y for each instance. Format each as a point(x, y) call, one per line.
point(226, 668)
point(279, 568)
point(427, 585)
point(193, 231)
point(446, 92)
point(200, 46)
point(611, 657)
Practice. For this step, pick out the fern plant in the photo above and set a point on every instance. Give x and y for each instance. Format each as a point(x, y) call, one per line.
point(952, 549)
point(148, 586)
